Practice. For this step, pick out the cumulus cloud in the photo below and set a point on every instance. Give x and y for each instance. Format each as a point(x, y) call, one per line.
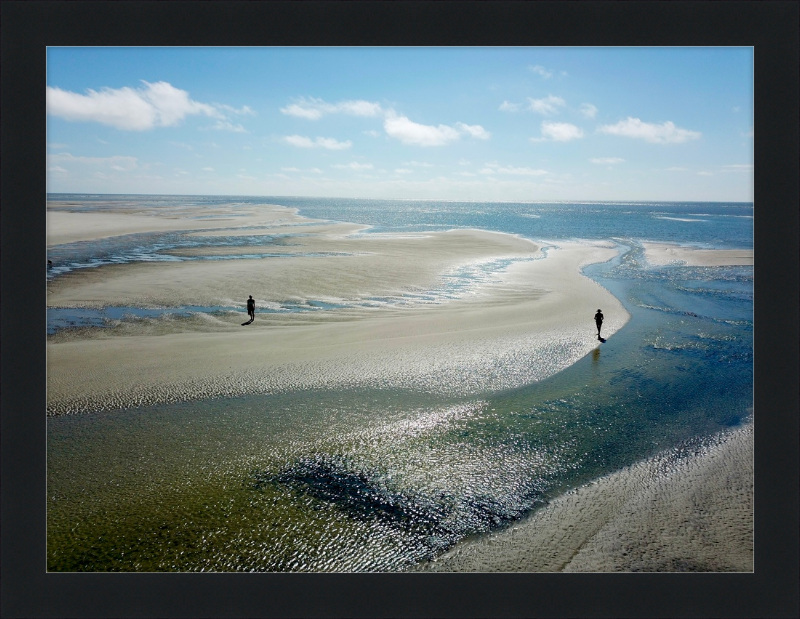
point(606, 160)
point(546, 106)
point(314, 109)
point(588, 110)
point(505, 106)
point(409, 132)
point(540, 70)
point(559, 132)
point(665, 133)
point(306, 142)
point(159, 104)
point(494, 168)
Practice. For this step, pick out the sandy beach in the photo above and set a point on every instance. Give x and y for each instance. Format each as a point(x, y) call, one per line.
point(666, 253)
point(531, 321)
point(688, 509)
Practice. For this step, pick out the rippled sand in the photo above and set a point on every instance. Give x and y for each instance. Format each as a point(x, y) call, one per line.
point(687, 509)
point(665, 253)
point(529, 321)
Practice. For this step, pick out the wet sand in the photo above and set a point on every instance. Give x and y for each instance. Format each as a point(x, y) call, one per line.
point(666, 253)
point(683, 510)
point(528, 323)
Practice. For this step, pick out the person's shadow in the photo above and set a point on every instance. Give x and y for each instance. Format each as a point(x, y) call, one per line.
point(602, 339)
point(248, 322)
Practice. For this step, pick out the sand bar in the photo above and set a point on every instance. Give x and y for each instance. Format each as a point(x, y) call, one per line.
point(532, 320)
point(64, 226)
point(687, 509)
point(665, 253)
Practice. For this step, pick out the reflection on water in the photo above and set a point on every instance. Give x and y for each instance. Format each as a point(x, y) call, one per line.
point(376, 480)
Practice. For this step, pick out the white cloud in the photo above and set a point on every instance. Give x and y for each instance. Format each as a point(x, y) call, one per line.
point(588, 110)
point(360, 108)
point(705, 174)
point(404, 171)
point(607, 160)
point(332, 144)
point(420, 164)
point(665, 133)
point(57, 168)
point(748, 134)
point(546, 106)
point(305, 142)
point(494, 168)
point(299, 141)
point(290, 169)
point(676, 169)
point(561, 132)
point(505, 106)
point(314, 109)
point(540, 70)
point(476, 131)
point(208, 169)
point(373, 133)
point(353, 165)
point(409, 132)
point(315, 170)
point(155, 105)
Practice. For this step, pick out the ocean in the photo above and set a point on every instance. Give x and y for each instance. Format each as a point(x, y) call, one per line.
point(371, 478)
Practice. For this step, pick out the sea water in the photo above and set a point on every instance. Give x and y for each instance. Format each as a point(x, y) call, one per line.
point(372, 479)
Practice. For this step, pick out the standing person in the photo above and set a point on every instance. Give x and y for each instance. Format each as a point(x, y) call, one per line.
point(598, 319)
point(251, 308)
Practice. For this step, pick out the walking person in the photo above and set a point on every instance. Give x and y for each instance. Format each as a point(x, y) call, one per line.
point(598, 320)
point(251, 308)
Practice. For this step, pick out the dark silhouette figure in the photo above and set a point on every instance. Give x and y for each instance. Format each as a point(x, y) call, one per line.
point(598, 320)
point(49, 263)
point(251, 310)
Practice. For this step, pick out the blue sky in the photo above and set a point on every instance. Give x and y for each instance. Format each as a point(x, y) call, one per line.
point(484, 124)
